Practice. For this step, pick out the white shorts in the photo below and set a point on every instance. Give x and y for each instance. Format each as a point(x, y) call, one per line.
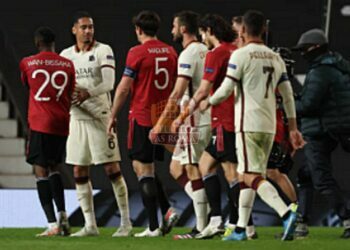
point(191, 144)
point(88, 143)
point(253, 151)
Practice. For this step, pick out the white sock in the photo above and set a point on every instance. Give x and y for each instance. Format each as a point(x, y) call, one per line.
point(245, 205)
point(269, 194)
point(250, 230)
point(200, 202)
point(215, 221)
point(52, 225)
point(84, 193)
point(189, 190)
point(121, 195)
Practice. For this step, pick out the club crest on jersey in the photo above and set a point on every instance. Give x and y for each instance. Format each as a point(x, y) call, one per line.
point(232, 66)
point(91, 58)
point(209, 70)
point(185, 65)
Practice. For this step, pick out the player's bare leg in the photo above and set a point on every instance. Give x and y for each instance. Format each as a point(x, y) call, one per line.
point(284, 183)
point(85, 197)
point(120, 191)
point(45, 197)
point(145, 174)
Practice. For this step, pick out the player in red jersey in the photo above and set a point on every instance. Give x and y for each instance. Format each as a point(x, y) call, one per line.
point(149, 75)
point(51, 80)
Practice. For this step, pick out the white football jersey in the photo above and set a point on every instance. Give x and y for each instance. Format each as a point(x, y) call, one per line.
point(88, 66)
point(258, 70)
point(191, 65)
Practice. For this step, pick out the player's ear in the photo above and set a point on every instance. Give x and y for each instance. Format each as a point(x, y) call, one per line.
point(74, 30)
point(209, 31)
point(183, 29)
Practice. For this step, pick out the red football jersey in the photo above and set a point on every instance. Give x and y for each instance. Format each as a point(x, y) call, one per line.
point(51, 80)
point(153, 67)
point(216, 62)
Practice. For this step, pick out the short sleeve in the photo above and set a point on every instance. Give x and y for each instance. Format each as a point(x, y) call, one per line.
point(132, 64)
point(186, 64)
point(211, 68)
point(236, 65)
point(106, 56)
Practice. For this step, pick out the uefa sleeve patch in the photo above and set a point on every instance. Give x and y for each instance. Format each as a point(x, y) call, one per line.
point(232, 66)
point(185, 65)
point(129, 72)
point(284, 77)
point(110, 57)
point(208, 70)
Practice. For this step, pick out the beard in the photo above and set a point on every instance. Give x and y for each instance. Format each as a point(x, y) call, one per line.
point(178, 39)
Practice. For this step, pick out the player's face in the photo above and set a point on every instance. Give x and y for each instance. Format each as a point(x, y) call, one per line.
point(176, 32)
point(237, 28)
point(84, 30)
point(205, 35)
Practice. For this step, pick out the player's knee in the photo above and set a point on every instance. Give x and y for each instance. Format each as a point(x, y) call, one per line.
point(111, 168)
point(41, 171)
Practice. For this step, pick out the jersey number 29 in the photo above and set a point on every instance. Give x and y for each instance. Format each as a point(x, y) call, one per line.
point(50, 80)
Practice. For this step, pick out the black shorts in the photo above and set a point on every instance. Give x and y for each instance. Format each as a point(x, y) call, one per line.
point(280, 158)
point(45, 149)
point(222, 145)
point(140, 147)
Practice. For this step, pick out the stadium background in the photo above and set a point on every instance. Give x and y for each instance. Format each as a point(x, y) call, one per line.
point(19, 19)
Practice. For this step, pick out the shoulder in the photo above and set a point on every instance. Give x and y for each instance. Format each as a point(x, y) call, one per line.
point(68, 51)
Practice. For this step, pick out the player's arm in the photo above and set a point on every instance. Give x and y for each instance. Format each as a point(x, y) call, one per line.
point(201, 94)
point(178, 92)
point(224, 91)
point(107, 84)
point(120, 96)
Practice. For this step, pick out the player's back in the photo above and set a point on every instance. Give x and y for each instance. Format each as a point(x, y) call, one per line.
point(215, 72)
point(51, 79)
point(261, 70)
point(191, 66)
point(154, 64)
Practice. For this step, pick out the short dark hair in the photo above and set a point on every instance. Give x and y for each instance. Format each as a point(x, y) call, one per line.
point(80, 14)
point(255, 22)
point(45, 35)
point(219, 27)
point(189, 19)
point(237, 19)
point(148, 22)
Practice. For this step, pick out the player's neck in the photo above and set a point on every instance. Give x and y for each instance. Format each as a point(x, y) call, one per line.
point(144, 39)
point(216, 43)
point(253, 39)
point(47, 49)
point(84, 46)
point(187, 40)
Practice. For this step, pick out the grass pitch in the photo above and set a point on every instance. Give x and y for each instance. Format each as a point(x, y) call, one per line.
point(24, 239)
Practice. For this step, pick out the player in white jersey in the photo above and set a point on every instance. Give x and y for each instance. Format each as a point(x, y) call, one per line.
point(257, 71)
point(88, 143)
point(194, 135)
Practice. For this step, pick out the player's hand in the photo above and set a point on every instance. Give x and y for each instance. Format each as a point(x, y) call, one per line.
point(176, 125)
point(296, 139)
point(79, 96)
point(112, 124)
point(204, 105)
point(153, 133)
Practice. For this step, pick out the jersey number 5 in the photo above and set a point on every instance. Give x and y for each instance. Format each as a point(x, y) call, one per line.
point(269, 71)
point(50, 79)
point(160, 70)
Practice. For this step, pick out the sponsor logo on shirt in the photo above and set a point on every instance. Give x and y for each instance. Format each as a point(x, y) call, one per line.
point(232, 66)
point(209, 70)
point(185, 65)
point(91, 58)
point(84, 73)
